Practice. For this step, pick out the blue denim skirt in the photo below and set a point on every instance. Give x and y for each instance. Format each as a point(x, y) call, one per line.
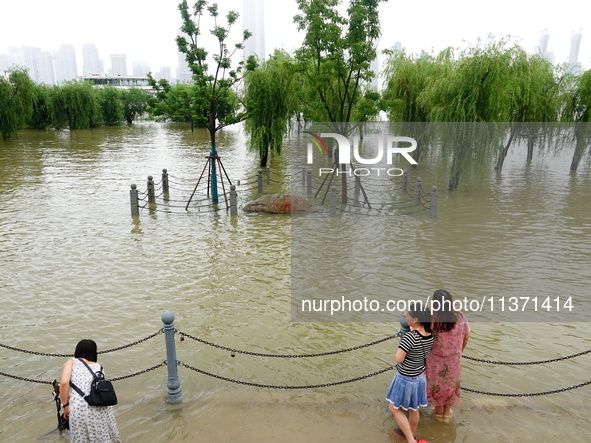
point(408, 392)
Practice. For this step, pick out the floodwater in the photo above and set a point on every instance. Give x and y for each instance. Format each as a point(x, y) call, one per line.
point(75, 264)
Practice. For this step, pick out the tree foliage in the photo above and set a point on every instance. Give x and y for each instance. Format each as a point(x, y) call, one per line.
point(16, 100)
point(111, 106)
point(578, 110)
point(75, 105)
point(496, 84)
point(270, 94)
point(213, 82)
point(335, 61)
point(134, 102)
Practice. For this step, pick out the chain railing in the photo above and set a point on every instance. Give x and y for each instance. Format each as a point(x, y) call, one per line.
point(260, 385)
point(169, 330)
point(259, 354)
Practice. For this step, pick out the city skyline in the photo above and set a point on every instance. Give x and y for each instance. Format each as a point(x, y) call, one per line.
point(148, 39)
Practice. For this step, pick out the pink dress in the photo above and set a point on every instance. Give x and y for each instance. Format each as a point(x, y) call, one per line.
point(444, 365)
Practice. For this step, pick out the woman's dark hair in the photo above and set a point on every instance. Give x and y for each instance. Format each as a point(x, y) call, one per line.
point(421, 313)
point(444, 316)
point(86, 349)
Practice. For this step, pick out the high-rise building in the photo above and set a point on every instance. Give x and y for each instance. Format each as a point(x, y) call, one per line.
point(141, 69)
point(254, 21)
point(547, 55)
point(165, 73)
point(375, 81)
point(4, 63)
point(44, 64)
point(65, 64)
point(91, 63)
point(573, 59)
point(118, 65)
point(39, 64)
point(183, 73)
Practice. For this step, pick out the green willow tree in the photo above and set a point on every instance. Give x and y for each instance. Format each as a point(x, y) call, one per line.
point(40, 118)
point(111, 106)
point(17, 96)
point(480, 88)
point(334, 61)
point(270, 95)
point(214, 81)
point(578, 111)
point(134, 102)
point(75, 105)
point(406, 78)
point(535, 101)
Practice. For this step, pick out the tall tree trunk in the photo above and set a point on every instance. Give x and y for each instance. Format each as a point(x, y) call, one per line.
point(456, 172)
point(264, 159)
point(504, 152)
point(530, 148)
point(580, 148)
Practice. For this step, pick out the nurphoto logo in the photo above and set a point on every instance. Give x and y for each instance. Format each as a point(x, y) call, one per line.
point(387, 146)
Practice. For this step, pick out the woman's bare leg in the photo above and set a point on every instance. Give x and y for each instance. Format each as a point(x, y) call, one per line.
point(403, 423)
point(413, 419)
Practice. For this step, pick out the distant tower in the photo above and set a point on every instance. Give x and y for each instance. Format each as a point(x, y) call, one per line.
point(183, 73)
point(547, 55)
point(544, 44)
point(65, 64)
point(45, 72)
point(165, 73)
point(573, 59)
point(141, 69)
point(91, 63)
point(375, 81)
point(118, 65)
point(254, 21)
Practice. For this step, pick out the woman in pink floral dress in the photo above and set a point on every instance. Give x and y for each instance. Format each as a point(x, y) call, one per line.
point(444, 364)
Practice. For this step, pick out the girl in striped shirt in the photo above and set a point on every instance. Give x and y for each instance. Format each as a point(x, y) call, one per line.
point(408, 389)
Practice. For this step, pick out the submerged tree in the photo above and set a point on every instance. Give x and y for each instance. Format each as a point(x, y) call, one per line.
point(74, 104)
point(134, 102)
point(481, 88)
point(578, 111)
point(213, 82)
point(111, 107)
point(16, 100)
point(406, 78)
point(534, 102)
point(40, 118)
point(271, 101)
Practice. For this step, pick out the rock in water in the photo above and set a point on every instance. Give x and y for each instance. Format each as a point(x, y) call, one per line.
point(278, 204)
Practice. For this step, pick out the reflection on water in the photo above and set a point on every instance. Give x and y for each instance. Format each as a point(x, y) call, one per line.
point(76, 264)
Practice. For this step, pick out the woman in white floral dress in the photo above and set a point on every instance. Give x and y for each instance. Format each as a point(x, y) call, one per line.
point(88, 424)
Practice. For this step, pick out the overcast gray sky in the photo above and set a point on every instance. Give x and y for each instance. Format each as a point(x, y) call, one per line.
point(145, 30)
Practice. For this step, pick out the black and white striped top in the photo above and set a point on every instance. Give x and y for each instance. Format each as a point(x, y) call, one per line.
point(417, 349)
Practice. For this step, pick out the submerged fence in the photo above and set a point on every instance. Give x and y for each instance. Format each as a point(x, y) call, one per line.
point(353, 196)
point(173, 385)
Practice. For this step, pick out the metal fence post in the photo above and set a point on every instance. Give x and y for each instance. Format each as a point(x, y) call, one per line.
point(404, 181)
point(151, 192)
point(268, 175)
point(135, 206)
point(260, 182)
point(309, 182)
point(303, 178)
point(233, 199)
point(174, 394)
point(165, 188)
point(333, 201)
point(418, 191)
point(433, 209)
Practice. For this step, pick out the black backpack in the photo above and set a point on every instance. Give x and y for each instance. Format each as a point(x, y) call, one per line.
point(101, 393)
